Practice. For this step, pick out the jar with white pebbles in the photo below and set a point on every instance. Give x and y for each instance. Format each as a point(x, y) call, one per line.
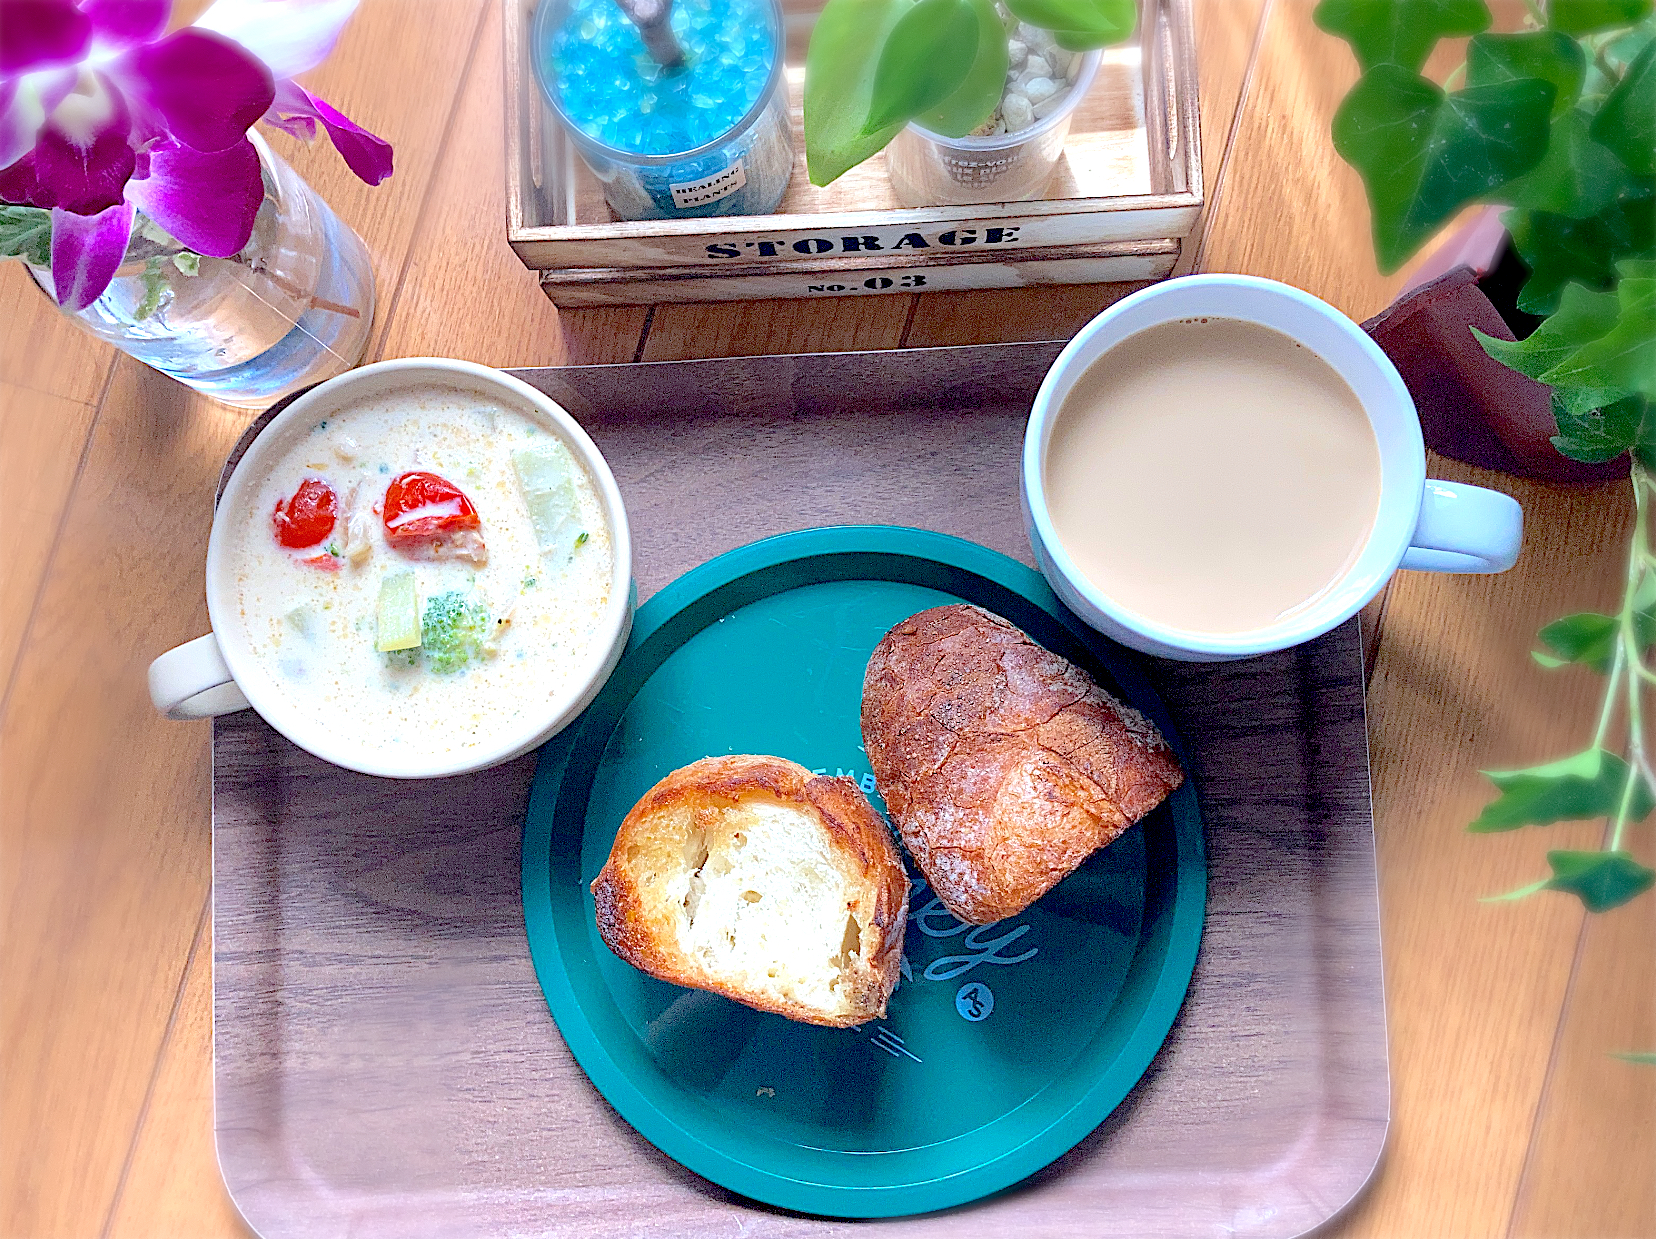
point(1010, 157)
point(1039, 80)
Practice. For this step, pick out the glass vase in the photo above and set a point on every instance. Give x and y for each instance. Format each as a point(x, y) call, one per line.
point(294, 307)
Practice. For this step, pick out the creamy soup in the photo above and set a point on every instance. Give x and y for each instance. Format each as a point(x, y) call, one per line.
point(1213, 475)
point(423, 572)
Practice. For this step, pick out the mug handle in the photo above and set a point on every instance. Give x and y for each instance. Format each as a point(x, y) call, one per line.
point(1465, 529)
point(193, 681)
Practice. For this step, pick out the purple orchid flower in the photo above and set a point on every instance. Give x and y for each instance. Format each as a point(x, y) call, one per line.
point(102, 112)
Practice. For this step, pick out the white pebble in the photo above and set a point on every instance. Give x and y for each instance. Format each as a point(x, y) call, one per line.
point(1046, 107)
point(1016, 50)
point(1037, 66)
point(1040, 88)
point(1074, 70)
point(1039, 40)
point(1018, 112)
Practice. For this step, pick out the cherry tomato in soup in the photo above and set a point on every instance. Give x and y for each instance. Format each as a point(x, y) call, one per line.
point(422, 506)
point(307, 516)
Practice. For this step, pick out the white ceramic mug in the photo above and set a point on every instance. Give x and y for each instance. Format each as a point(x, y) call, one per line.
point(1422, 524)
point(218, 673)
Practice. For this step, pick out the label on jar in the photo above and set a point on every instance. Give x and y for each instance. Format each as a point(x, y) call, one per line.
point(687, 194)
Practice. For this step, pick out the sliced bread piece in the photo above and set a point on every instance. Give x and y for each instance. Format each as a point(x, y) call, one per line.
point(752, 877)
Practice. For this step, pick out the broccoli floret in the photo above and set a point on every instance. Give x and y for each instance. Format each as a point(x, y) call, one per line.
point(453, 630)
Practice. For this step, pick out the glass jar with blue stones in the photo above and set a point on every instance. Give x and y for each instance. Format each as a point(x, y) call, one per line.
point(680, 109)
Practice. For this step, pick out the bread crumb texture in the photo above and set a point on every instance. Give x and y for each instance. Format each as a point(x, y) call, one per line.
point(1003, 765)
point(751, 877)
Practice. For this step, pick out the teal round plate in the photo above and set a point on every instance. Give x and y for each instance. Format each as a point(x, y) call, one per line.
point(1004, 1044)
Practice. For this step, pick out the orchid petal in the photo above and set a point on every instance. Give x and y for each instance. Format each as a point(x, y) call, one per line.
point(25, 103)
point(40, 34)
point(54, 85)
point(207, 199)
point(86, 252)
point(204, 90)
point(21, 116)
point(300, 126)
point(80, 161)
point(118, 24)
point(291, 36)
point(368, 155)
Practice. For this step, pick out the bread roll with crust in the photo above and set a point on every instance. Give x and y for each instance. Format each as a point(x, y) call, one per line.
point(1003, 765)
point(753, 878)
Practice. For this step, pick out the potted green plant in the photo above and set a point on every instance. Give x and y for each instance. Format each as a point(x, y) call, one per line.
point(1558, 122)
point(974, 96)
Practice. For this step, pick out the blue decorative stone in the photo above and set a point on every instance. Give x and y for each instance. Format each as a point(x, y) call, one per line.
point(691, 140)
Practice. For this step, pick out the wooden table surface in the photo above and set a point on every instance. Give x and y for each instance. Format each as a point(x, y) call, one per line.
point(1510, 1117)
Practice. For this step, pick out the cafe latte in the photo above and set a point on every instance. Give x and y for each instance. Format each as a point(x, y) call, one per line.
point(1212, 475)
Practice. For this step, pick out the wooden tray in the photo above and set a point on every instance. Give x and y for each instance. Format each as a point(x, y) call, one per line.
point(1120, 202)
point(384, 1061)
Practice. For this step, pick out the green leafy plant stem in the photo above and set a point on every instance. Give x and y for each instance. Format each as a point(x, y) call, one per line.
point(1554, 122)
point(1629, 651)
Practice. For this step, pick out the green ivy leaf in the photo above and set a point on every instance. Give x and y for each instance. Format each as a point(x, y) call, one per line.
point(1623, 360)
point(1626, 47)
point(1644, 597)
point(1577, 17)
point(1558, 249)
point(1644, 450)
point(1399, 32)
point(974, 102)
point(1609, 63)
point(839, 83)
point(1601, 880)
point(1423, 154)
point(1576, 178)
point(1583, 315)
point(1588, 785)
point(1627, 121)
point(1598, 434)
point(1587, 638)
point(1097, 22)
point(1545, 54)
point(26, 233)
point(926, 57)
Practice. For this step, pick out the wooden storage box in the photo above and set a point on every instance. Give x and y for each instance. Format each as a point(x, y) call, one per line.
point(1121, 201)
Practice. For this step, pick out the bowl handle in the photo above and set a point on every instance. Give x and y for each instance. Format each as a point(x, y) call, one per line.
point(193, 681)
